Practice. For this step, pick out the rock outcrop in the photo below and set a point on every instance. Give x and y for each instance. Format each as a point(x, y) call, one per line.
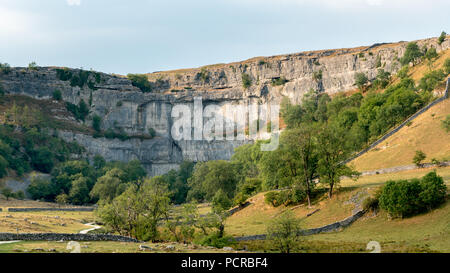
point(124, 106)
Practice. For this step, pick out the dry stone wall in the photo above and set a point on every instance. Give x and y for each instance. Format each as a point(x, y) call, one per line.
point(49, 209)
point(328, 228)
point(63, 237)
point(403, 124)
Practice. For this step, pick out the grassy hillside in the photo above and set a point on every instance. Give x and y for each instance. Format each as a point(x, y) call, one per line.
point(42, 113)
point(253, 219)
point(417, 72)
point(425, 133)
point(430, 231)
point(379, 179)
point(44, 222)
point(427, 232)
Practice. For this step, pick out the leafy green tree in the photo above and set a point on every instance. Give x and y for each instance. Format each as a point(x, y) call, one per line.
point(431, 54)
point(57, 95)
point(294, 163)
point(412, 54)
point(152, 132)
point(433, 191)
point(41, 188)
point(309, 105)
point(341, 102)
point(181, 226)
point(346, 118)
point(189, 216)
point(418, 158)
point(361, 80)
point(291, 114)
point(7, 193)
point(140, 81)
point(5, 68)
point(302, 158)
point(406, 198)
point(382, 79)
point(442, 37)
point(240, 199)
point(250, 186)
point(247, 157)
point(246, 80)
point(154, 198)
point(209, 177)
point(177, 182)
point(2, 91)
point(134, 172)
point(332, 150)
point(62, 199)
point(79, 111)
point(212, 225)
point(79, 191)
point(119, 216)
point(447, 66)
point(32, 66)
point(42, 159)
point(204, 75)
point(221, 201)
point(83, 109)
point(279, 81)
point(138, 211)
point(321, 114)
point(99, 162)
point(400, 198)
point(271, 198)
point(403, 72)
point(285, 232)
point(109, 185)
point(378, 63)
point(313, 108)
point(3, 166)
point(64, 175)
point(97, 123)
point(275, 171)
point(20, 195)
point(294, 195)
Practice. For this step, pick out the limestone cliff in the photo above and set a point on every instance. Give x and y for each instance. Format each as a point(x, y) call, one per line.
point(122, 105)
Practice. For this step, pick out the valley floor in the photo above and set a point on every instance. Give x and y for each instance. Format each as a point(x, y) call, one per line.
point(428, 232)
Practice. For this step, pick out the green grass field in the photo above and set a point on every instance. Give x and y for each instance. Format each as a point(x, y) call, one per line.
point(428, 232)
point(44, 221)
point(105, 247)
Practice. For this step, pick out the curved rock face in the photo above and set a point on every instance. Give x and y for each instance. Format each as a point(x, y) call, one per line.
point(123, 106)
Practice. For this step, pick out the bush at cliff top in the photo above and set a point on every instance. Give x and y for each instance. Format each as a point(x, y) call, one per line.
point(412, 54)
point(140, 81)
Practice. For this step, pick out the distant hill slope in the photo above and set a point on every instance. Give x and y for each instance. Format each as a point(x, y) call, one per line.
point(425, 134)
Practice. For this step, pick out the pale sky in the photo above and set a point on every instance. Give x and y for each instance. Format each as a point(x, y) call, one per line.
point(140, 36)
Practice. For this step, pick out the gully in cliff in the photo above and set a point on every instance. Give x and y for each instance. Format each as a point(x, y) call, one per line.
point(229, 122)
